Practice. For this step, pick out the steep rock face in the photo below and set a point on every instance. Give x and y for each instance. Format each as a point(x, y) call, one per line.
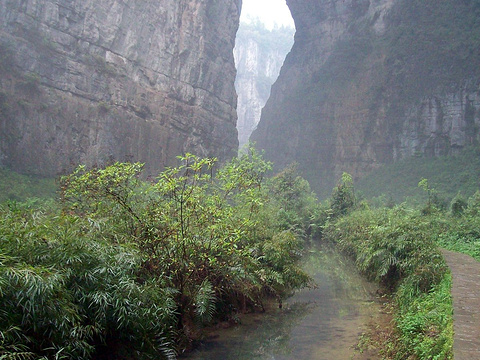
point(259, 54)
point(369, 82)
point(85, 81)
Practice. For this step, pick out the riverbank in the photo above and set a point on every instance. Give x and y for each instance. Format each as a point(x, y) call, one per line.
point(397, 248)
point(324, 322)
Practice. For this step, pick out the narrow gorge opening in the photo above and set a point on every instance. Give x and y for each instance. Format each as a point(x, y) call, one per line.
point(264, 39)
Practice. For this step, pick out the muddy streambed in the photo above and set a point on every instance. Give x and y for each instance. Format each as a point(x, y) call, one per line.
point(323, 323)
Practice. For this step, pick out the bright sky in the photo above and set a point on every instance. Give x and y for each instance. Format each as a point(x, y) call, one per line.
point(270, 12)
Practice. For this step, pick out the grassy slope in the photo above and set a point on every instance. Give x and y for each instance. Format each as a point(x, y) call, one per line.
point(17, 187)
point(449, 175)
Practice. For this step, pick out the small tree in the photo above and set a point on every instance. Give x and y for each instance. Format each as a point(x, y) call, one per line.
point(434, 201)
point(343, 197)
point(296, 204)
point(207, 236)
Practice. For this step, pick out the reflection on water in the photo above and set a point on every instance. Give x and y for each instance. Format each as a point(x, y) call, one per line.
point(315, 324)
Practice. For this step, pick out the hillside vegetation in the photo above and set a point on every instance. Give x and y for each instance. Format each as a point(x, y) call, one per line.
point(448, 175)
point(17, 187)
point(403, 78)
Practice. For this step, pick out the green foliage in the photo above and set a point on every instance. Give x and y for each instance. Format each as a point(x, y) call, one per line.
point(425, 321)
point(390, 245)
point(449, 175)
point(343, 197)
point(461, 230)
point(18, 188)
point(458, 205)
point(149, 263)
point(434, 202)
point(215, 237)
point(65, 291)
point(204, 302)
point(398, 247)
point(295, 202)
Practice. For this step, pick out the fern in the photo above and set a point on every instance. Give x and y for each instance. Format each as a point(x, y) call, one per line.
point(204, 302)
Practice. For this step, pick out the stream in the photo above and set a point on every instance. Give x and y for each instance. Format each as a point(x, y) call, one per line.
point(323, 323)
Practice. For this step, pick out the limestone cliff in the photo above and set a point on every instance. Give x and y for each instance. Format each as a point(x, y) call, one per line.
point(85, 81)
point(259, 54)
point(369, 82)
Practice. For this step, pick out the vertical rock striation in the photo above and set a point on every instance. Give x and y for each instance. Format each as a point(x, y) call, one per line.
point(369, 82)
point(85, 81)
point(259, 54)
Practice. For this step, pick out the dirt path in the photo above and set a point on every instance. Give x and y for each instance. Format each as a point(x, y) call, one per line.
point(466, 305)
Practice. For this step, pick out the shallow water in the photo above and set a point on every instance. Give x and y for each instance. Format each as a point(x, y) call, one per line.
point(315, 324)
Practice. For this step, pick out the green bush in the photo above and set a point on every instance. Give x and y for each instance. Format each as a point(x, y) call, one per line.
point(343, 197)
point(139, 267)
point(296, 205)
point(425, 320)
point(398, 248)
point(461, 230)
point(208, 234)
point(458, 205)
point(64, 290)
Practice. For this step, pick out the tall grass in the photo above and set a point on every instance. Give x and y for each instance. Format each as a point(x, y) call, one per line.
point(397, 247)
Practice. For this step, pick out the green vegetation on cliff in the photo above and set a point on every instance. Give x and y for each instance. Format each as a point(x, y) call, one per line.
point(400, 78)
point(448, 175)
point(18, 187)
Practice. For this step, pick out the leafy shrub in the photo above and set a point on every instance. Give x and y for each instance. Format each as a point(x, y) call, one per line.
point(461, 231)
point(434, 201)
point(213, 236)
point(425, 320)
point(64, 290)
point(390, 245)
point(295, 202)
point(398, 248)
point(458, 205)
point(343, 196)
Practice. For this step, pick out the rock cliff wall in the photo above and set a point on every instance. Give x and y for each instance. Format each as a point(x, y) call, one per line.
point(85, 81)
point(369, 82)
point(259, 54)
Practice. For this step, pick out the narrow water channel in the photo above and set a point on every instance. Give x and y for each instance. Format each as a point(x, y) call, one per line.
point(323, 323)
